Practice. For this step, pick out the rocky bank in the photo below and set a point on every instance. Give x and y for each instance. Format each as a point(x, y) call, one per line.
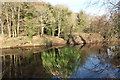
point(83, 38)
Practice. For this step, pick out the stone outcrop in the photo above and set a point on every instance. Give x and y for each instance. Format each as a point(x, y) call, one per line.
point(83, 38)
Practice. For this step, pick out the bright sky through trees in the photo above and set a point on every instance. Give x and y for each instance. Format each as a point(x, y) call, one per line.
point(94, 7)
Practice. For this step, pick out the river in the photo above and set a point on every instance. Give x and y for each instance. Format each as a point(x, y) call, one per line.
point(79, 61)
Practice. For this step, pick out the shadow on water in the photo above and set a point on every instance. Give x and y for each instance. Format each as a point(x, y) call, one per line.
point(80, 61)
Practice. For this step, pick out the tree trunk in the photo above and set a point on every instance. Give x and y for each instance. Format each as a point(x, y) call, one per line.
point(59, 24)
point(1, 22)
point(18, 25)
point(38, 25)
point(2, 32)
point(42, 27)
point(59, 27)
point(14, 30)
point(12, 23)
point(58, 31)
point(42, 31)
point(53, 32)
point(8, 26)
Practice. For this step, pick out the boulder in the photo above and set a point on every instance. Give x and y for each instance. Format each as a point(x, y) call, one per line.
point(84, 38)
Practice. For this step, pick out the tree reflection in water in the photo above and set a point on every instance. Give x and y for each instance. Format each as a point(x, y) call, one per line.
point(69, 62)
point(104, 64)
point(31, 66)
point(61, 62)
point(87, 61)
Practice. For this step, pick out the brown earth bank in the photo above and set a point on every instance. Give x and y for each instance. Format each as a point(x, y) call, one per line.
point(24, 41)
point(49, 41)
point(27, 50)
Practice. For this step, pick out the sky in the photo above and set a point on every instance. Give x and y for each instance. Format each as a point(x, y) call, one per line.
point(93, 7)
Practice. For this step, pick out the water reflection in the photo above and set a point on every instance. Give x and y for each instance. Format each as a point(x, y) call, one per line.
point(61, 62)
point(89, 61)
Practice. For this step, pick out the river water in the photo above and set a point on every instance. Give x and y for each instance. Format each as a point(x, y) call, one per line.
point(80, 61)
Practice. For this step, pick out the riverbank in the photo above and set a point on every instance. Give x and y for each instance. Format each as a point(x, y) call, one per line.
point(24, 41)
point(85, 38)
point(26, 58)
point(49, 41)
